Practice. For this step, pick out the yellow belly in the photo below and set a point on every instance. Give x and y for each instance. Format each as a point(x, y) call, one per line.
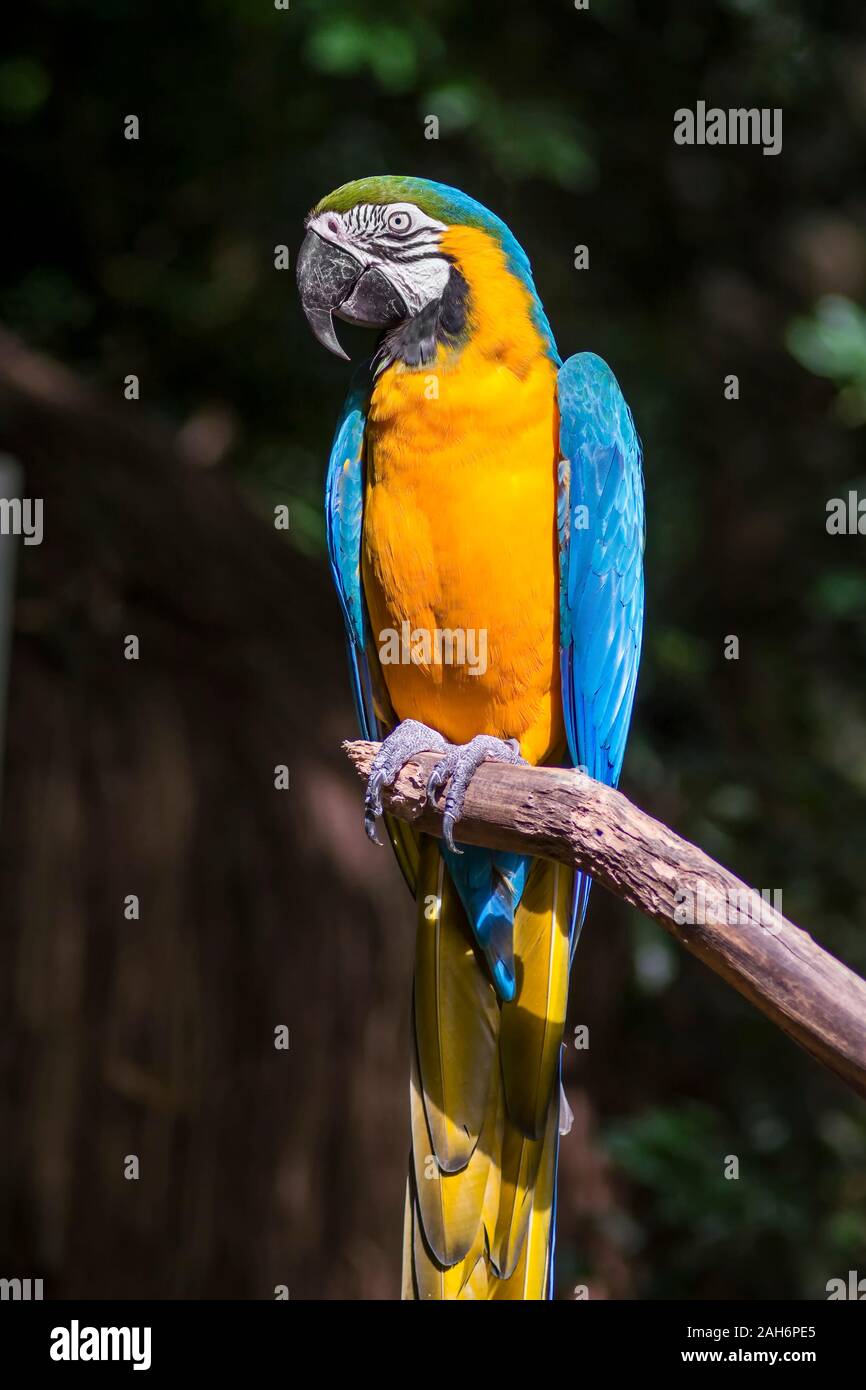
point(459, 549)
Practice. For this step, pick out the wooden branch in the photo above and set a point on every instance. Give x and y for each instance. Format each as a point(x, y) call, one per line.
point(562, 814)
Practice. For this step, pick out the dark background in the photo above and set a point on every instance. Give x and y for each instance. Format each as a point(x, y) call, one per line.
point(260, 907)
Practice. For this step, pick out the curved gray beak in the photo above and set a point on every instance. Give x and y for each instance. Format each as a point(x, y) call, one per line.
point(331, 281)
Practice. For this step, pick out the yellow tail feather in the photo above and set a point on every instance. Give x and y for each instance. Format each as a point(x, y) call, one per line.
point(484, 1095)
point(456, 1017)
point(532, 1024)
point(519, 1162)
point(450, 1204)
point(529, 1281)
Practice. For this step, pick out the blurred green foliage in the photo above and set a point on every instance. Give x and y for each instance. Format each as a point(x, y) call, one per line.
point(156, 257)
point(832, 343)
point(773, 1210)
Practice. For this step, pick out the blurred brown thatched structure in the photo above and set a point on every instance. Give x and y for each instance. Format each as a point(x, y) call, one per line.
point(258, 907)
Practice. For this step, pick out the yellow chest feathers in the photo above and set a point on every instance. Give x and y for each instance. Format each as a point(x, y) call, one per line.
point(460, 520)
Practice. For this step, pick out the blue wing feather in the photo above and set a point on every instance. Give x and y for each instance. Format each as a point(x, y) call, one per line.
point(344, 515)
point(600, 522)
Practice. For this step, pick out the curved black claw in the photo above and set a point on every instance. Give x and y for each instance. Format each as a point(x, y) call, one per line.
point(459, 765)
point(403, 743)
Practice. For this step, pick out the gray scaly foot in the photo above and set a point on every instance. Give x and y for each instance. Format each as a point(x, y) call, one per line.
point(458, 767)
point(403, 743)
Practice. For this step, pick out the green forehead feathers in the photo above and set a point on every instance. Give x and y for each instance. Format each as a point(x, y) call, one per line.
point(437, 200)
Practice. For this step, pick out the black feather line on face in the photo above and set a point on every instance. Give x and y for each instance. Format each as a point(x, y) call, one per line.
point(404, 255)
point(442, 322)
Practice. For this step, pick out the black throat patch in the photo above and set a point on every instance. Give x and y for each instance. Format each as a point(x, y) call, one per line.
point(443, 321)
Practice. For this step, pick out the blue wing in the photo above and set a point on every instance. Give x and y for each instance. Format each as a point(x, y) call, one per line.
point(600, 525)
point(344, 514)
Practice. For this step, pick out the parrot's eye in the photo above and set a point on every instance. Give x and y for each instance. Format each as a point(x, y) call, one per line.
point(399, 222)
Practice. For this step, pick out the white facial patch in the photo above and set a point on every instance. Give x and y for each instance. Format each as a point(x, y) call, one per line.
point(399, 240)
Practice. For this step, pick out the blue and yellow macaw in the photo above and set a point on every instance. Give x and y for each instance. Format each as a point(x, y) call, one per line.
point(482, 496)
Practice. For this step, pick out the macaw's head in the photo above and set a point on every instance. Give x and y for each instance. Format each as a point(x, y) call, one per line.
point(414, 258)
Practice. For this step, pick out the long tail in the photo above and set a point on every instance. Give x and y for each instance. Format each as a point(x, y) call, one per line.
point(485, 1095)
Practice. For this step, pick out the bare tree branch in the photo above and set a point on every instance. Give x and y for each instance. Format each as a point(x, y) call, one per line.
point(561, 814)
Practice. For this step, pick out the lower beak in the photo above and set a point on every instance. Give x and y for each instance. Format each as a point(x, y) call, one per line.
point(332, 281)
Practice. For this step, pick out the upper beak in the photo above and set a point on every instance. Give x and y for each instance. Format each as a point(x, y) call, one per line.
point(332, 281)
